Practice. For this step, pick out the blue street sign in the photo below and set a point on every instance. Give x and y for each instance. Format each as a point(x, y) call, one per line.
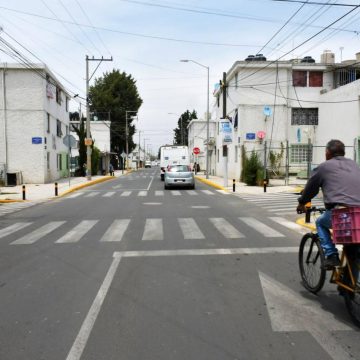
point(250, 136)
point(36, 140)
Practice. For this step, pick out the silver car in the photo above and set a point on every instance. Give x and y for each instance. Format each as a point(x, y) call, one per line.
point(179, 176)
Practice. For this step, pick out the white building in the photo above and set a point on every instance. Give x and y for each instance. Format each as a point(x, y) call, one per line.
point(34, 119)
point(288, 105)
point(197, 138)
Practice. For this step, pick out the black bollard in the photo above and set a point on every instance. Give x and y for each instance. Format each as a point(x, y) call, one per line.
point(23, 192)
point(56, 189)
point(233, 185)
point(265, 184)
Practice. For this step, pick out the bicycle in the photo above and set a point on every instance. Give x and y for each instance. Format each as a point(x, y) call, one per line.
point(313, 272)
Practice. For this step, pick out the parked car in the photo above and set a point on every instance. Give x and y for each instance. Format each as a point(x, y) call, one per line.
point(179, 176)
point(148, 164)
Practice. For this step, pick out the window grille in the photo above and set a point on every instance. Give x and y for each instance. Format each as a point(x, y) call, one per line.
point(304, 116)
point(300, 153)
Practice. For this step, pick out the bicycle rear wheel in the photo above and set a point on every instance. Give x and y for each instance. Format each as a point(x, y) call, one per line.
point(311, 259)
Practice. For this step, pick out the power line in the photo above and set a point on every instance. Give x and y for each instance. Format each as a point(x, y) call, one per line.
point(311, 2)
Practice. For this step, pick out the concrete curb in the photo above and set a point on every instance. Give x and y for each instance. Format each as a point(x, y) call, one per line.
point(302, 222)
point(84, 185)
point(11, 201)
point(210, 183)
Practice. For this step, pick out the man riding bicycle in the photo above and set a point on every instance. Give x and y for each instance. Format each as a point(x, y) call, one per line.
point(339, 179)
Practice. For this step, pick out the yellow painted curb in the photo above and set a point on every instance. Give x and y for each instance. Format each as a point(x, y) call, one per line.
point(208, 182)
point(84, 185)
point(302, 222)
point(10, 201)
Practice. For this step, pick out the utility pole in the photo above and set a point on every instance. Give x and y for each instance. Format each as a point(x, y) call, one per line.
point(127, 135)
point(139, 152)
point(88, 140)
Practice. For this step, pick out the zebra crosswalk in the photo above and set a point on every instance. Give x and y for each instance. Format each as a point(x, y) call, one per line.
point(9, 208)
point(67, 232)
point(142, 193)
point(278, 203)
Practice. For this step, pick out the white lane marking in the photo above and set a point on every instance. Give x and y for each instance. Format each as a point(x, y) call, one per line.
point(192, 192)
point(289, 224)
point(13, 228)
point(72, 196)
point(108, 194)
point(88, 324)
point(223, 226)
point(209, 252)
point(283, 304)
point(257, 225)
point(190, 229)
point(75, 234)
point(92, 194)
point(148, 188)
point(153, 230)
point(116, 230)
point(175, 192)
point(159, 193)
point(142, 193)
point(152, 203)
point(38, 233)
point(200, 207)
point(117, 186)
point(126, 193)
point(207, 192)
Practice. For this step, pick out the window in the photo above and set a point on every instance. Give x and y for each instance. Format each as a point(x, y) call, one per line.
point(67, 104)
point(300, 153)
point(315, 78)
point(58, 128)
point(299, 78)
point(218, 155)
point(48, 160)
point(304, 116)
point(58, 95)
point(236, 153)
point(58, 162)
point(48, 123)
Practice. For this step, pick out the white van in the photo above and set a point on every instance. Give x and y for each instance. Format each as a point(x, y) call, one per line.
point(147, 164)
point(173, 155)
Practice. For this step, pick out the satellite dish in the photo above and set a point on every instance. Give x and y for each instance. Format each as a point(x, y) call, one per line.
point(261, 134)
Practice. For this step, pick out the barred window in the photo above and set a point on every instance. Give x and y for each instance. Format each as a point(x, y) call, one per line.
point(299, 78)
point(304, 116)
point(300, 153)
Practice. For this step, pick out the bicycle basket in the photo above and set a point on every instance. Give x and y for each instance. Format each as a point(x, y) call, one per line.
point(346, 225)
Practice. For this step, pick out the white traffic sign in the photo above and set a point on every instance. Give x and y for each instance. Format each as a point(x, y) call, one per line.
point(123, 155)
point(70, 141)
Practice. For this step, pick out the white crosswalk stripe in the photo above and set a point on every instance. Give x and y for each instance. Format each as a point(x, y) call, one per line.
point(278, 203)
point(77, 232)
point(192, 192)
point(225, 228)
point(38, 233)
point(109, 194)
point(126, 193)
point(116, 230)
point(207, 192)
point(9, 208)
point(262, 228)
point(153, 230)
point(142, 193)
point(159, 193)
point(190, 229)
point(74, 195)
point(92, 194)
point(13, 228)
point(175, 192)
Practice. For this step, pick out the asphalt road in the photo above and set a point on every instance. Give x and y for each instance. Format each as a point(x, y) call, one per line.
point(125, 270)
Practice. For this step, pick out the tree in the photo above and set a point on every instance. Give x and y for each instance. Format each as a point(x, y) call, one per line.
point(81, 133)
point(181, 132)
point(116, 92)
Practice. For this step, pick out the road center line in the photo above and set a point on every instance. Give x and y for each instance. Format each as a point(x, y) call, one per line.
point(88, 324)
point(148, 188)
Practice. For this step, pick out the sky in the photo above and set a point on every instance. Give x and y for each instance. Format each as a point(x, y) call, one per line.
point(147, 39)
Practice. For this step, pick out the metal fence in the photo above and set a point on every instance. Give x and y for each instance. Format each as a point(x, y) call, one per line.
point(290, 164)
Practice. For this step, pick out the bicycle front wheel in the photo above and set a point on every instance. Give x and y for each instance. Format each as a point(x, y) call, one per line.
point(311, 260)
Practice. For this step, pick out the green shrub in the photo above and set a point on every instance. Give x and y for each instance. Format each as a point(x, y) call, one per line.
point(95, 157)
point(252, 171)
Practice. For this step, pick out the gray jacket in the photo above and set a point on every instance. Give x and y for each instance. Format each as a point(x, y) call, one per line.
point(339, 179)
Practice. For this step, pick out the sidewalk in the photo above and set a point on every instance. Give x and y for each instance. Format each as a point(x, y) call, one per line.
point(36, 192)
point(275, 186)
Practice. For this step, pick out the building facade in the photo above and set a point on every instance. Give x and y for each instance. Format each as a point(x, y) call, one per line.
point(287, 110)
point(34, 118)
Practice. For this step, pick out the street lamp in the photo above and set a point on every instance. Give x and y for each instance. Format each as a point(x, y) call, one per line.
point(181, 127)
point(207, 114)
point(145, 150)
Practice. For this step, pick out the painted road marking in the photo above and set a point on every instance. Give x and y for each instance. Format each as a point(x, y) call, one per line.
point(263, 229)
point(116, 230)
point(290, 225)
point(207, 192)
point(75, 234)
point(225, 228)
point(190, 229)
point(192, 192)
point(159, 193)
point(153, 230)
point(92, 194)
point(142, 193)
point(38, 233)
point(175, 192)
point(126, 193)
point(13, 228)
point(72, 196)
point(108, 194)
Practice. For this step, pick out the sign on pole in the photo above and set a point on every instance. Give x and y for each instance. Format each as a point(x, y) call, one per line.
point(196, 150)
